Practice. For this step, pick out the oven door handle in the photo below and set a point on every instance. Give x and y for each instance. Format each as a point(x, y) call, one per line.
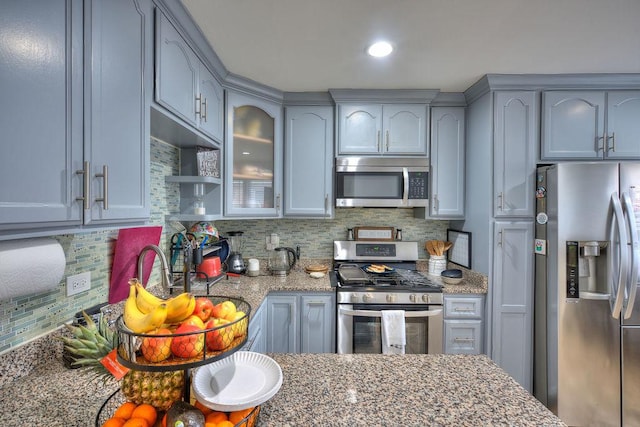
point(378, 313)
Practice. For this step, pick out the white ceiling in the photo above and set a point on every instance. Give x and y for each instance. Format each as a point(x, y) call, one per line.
point(314, 45)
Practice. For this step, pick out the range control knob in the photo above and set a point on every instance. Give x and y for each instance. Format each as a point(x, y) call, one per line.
point(412, 297)
point(354, 298)
point(367, 298)
point(425, 298)
point(391, 297)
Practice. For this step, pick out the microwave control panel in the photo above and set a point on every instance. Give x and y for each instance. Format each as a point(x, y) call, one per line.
point(418, 185)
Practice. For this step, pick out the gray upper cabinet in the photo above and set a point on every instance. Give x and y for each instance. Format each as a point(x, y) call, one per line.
point(253, 157)
point(118, 79)
point(91, 144)
point(308, 160)
point(184, 86)
point(42, 84)
point(515, 142)
point(584, 125)
point(447, 162)
point(382, 129)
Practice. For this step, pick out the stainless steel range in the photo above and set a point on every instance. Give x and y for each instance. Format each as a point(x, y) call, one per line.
point(371, 277)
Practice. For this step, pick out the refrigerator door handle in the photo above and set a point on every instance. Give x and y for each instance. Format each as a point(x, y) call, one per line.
point(618, 272)
point(632, 279)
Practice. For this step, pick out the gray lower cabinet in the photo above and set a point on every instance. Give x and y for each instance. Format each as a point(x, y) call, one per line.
point(91, 142)
point(587, 125)
point(301, 322)
point(512, 307)
point(257, 339)
point(463, 324)
point(308, 161)
point(184, 86)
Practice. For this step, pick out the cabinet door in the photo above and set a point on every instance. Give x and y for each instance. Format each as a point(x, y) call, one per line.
point(212, 107)
point(405, 129)
point(253, 177)
point(257, 340)
point(282, 324)
point(462, 336)
point(623, 125)
point(41, 118)
point(359, 129)
point(317, 324)
point(573, 125)
point(515, 142)
point(512, 328)
point(117, 109)
point(177, 69)
point(308, 160)
point(447, 162)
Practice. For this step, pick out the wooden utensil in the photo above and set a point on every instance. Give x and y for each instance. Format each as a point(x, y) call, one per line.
point(440, 250)
point(447, 246)
point(429, 247)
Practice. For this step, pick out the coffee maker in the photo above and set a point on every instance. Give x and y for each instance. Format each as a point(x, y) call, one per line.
point(235, 263)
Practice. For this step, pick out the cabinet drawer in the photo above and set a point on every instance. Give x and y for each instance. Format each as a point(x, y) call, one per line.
point(463, 307)
point(463, 336)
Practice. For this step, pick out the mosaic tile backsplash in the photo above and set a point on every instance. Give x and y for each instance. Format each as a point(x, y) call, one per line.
point(28, 317)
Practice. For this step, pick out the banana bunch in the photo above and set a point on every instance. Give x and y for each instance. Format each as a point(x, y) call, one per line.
point(178, 308)
point(139, 321)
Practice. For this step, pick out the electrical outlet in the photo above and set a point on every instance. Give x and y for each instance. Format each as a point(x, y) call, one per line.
point(78, 283)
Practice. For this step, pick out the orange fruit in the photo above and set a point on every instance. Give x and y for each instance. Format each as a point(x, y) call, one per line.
point(164, 420)
point(210, 424)
point(216, 417)
point(114, 422)
point(206, 411)
point(236, 416)
point(124, 411)
point(147, 412)
point(136, 422)
point(225, 424)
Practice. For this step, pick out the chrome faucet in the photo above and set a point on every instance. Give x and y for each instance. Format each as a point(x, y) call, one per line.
point(166, 277)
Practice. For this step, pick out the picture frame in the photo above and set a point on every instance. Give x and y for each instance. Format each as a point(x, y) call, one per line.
point(460, 252)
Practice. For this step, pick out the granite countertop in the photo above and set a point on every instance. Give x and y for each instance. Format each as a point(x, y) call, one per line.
point(319, 389)
point(37, 389)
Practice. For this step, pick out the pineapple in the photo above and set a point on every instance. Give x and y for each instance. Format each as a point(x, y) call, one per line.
point(93, 342)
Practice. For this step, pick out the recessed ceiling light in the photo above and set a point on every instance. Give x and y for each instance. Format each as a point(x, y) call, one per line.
point(380, 49)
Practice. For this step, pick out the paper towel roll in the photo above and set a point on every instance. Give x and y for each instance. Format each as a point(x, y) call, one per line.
point(30, 266)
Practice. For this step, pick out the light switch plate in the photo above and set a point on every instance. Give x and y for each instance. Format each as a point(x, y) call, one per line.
point(78, 283)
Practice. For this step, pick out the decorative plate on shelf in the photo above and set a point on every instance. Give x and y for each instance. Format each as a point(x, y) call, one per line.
point(241, 381)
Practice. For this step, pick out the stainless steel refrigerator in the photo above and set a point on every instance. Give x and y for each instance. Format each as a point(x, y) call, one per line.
point(587, 316)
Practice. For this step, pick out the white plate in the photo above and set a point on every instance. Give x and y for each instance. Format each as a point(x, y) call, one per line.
point(243, 380)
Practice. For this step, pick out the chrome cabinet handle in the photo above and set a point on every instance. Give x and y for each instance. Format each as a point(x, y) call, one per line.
point(499, 238)
point(387, 140)
point(500, 201)
point(278, 203)
point(199, 105)
point(105, 187)
point(326, 204)
point(86, 191)
point(613, 142)
point(464, 310)
point(464, 340)
point(204, 107)
point(378, 139)
point(436, 203)
point(602, 138)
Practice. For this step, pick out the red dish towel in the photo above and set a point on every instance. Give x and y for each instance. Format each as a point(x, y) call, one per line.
point(125, 259)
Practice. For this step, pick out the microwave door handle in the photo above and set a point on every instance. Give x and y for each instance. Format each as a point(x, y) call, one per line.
point(378, 313)
point(405, 184)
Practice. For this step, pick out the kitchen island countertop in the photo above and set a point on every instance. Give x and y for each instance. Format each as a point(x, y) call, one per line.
point(320, 390)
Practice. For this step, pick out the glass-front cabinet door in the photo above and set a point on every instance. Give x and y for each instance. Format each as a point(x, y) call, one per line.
point(253, 182)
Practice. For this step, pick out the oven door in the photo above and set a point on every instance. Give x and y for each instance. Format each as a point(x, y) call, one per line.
point(359, 328)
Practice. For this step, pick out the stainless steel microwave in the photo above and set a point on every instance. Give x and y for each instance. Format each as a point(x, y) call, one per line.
point(382, 182)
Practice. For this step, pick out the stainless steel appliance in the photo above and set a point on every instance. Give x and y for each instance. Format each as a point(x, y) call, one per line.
point(235, 262)
point(281, 261)
point(587, 325)
point(382, 182)
point(362, 296)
